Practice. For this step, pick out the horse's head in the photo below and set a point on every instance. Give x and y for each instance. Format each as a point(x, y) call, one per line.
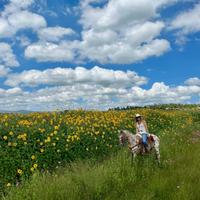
point(122, 137)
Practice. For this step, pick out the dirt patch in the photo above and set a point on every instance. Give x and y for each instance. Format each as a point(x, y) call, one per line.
point(195, 137)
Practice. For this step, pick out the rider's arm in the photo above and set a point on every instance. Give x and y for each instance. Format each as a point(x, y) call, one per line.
point(137, 132)
point(145, 124)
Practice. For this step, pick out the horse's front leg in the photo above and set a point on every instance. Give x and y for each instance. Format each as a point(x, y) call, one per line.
point(133, 156)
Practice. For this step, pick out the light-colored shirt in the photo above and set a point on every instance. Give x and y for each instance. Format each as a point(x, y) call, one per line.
point(141, 128)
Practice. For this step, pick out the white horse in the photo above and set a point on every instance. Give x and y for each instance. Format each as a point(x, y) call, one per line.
point(135, 144)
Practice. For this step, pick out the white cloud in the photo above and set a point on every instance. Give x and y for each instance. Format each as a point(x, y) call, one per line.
point(15, 17)
point(25, 20)
point(47, 51)
point(15, 6)
point(79, 75)
point(5, 29)
point(23, 40)
point(145, 32)
point(124, 53)
point(94, 96)
point(54, 34)
point(96, 88)
point(7, 57)
point(3, 70)
point(193, 81)
point(120, 32)
point(12, 91)
point(120, 13)
point(188, 21)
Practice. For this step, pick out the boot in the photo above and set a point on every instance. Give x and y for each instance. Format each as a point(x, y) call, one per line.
point(146, 148)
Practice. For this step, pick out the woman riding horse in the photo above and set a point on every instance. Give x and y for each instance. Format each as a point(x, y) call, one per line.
point(142, 130)
point(142, 142)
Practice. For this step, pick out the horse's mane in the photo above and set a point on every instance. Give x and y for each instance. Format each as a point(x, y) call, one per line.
point(127, 132)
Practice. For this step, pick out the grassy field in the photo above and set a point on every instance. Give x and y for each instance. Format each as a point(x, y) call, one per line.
point(110, 175)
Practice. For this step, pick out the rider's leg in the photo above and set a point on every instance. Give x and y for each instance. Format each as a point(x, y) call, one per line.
point(144, 140)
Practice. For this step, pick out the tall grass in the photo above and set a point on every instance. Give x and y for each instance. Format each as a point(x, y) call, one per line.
point(178, 176)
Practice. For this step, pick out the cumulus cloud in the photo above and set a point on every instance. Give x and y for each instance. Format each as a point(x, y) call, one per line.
point(193, 81)
point(7, 57)
point(16, 17)
point(186, 23)
point(96, 88)
point(54, 34)
point(79, 75)
point(16, 5)
point(25, 20)
point(23, 40)
point(131, 45)
point(94, 96)
point(129, 22)
point(129, 31)
point(120, 32)
point(10, 92)
point(5, 29)
point(4, 71)
point(120, 13)
point(48, 51)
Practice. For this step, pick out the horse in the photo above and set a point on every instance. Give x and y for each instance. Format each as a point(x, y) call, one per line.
point(136, 146)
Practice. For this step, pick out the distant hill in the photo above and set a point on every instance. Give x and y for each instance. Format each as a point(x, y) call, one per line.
point(19, 111)
point(162, 107)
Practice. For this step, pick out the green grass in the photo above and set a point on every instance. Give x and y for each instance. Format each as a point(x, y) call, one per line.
point(114, 178)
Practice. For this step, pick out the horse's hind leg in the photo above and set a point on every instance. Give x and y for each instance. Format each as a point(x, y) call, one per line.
point(133, 155)
point(157, 152)
point(132, 158)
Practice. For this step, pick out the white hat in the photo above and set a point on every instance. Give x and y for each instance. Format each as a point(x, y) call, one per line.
point(138, 115)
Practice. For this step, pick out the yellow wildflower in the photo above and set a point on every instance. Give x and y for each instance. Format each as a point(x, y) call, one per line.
point(35, 166)
point(33, 157)
point(8, 184)
point(41, 150)
point(5, 137)
point(14, 144)
point(9, 144)
point(19, 171)
point(10, 133)
point(32, 169)
point(55, 132)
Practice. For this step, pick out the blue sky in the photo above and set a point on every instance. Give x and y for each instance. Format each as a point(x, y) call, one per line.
point(97, 54)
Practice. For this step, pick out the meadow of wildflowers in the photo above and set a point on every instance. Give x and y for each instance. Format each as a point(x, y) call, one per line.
point(43, 141)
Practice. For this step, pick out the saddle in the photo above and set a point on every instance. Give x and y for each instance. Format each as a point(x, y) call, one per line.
point(150, 139)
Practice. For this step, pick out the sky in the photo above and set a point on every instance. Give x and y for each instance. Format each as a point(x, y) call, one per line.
point(98, 54)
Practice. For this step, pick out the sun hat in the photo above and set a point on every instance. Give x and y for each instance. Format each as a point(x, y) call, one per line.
point(138, 115)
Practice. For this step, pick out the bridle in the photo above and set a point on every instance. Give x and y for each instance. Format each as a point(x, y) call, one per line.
point(123, 138)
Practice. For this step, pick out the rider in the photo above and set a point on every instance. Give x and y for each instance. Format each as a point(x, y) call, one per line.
point(142, 129)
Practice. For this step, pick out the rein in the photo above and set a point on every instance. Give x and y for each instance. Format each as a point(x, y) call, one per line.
point(131, 148)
